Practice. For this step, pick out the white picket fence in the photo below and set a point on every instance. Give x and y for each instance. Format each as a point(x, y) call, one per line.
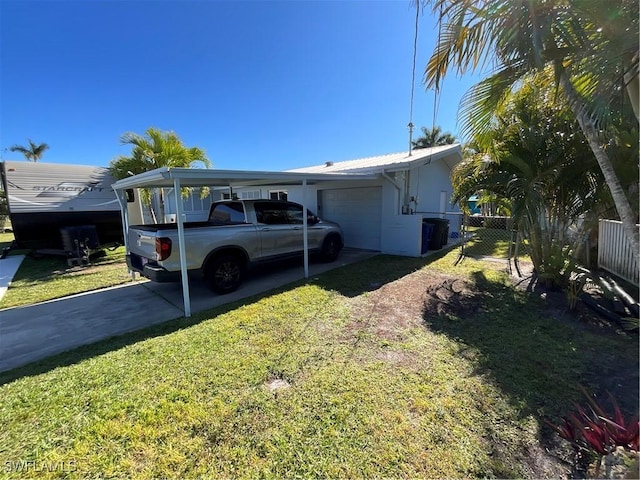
point(615, 253)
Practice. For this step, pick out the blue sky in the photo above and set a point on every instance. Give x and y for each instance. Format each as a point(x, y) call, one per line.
point(261, 85)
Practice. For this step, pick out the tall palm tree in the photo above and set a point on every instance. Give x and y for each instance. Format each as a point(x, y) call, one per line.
point(157, 149)
point(591, 45)
point(33, 152)
point(433, 137)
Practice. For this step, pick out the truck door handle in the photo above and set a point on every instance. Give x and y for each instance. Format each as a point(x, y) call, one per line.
point(265, 229)
point(297, 228)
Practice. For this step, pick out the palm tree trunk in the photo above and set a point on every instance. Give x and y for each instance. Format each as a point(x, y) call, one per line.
point(633, 87)
point(617, 193)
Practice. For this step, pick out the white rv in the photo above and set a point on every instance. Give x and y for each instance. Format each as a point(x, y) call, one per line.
point(48, 201)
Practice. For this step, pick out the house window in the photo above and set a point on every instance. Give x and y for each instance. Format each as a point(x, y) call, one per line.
point(278, 194)
point(250, 195)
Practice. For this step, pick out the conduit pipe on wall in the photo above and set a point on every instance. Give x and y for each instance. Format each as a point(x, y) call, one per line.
point(398, 187)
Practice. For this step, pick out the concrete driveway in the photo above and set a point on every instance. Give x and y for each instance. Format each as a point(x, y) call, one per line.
point(34, 332)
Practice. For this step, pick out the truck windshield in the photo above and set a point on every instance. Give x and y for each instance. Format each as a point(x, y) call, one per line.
point(227, 213)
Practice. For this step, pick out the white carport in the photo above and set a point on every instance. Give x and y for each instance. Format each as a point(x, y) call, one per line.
point(177, 178)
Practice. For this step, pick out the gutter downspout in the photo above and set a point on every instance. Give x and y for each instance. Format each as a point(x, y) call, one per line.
point(398, 187)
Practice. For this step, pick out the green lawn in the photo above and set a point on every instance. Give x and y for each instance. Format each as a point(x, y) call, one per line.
point(5, 239)
point(442, 397)
point(50, 277)
point(490, 242)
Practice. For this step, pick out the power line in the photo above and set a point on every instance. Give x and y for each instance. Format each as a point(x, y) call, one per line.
point(436, 93)
point(413, 76)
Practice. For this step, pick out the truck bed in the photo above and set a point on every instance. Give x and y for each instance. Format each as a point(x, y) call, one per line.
point(174, 226)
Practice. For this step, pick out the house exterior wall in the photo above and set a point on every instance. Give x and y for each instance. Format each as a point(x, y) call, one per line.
point(402, 235)
point(420, 195)
point(427, 183)
point(195, 208)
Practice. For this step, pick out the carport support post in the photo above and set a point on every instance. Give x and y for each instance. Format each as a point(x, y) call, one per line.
point(305, 234)
point(121, 195)
point(177, 191)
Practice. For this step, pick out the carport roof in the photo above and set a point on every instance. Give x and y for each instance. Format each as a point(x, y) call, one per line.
point(201, 177)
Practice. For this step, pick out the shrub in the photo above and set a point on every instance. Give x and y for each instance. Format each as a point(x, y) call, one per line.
point(592, 430)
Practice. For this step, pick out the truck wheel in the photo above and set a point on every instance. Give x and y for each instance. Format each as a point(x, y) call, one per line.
point(224, 274)
point(330, 248)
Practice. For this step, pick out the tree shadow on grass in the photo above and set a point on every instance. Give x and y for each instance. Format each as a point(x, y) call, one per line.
point(537, 354)
point(355, 279)
point(541, 358)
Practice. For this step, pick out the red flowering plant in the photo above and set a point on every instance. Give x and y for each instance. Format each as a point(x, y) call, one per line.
point(593, 430)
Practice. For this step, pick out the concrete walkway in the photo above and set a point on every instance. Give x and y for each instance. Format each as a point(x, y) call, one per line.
point(34, 332)
point(8, 268)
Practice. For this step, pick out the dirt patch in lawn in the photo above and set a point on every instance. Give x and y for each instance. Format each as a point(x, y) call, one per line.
point(393, 311)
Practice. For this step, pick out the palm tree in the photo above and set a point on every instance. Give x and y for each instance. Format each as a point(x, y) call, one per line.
point(33, 152)
point(433, 137)
point(591, 45)
point(157, 149)
point(537, 161)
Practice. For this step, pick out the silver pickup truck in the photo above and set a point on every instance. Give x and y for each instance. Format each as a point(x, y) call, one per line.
point(238, 235)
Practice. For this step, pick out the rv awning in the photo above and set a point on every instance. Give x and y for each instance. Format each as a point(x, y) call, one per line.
point(195, 177)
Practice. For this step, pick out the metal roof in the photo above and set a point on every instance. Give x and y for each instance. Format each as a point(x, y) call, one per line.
point(200, 177)
point(387, 163)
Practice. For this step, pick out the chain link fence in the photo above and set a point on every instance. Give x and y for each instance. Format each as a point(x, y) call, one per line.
point(492, 238)
point(482, 237)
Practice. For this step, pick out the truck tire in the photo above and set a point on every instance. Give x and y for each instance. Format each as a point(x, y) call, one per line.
point(330, 248)
point(224, 274)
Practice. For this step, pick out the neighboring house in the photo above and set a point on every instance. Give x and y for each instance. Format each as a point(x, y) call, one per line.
point(474, 205)
point(383, 213)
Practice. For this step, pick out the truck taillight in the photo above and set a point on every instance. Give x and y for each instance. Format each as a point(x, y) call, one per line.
point(163, 248)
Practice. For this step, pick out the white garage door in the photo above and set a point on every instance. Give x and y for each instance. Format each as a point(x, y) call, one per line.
point(359, 213)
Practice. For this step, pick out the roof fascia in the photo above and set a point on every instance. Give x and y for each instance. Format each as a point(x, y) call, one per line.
point(425, 160)
point(164, 177)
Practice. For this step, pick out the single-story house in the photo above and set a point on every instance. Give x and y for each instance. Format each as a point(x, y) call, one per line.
point(381, 210)
point(380, 202)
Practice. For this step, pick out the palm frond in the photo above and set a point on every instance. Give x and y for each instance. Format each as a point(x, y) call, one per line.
point(479, 104)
